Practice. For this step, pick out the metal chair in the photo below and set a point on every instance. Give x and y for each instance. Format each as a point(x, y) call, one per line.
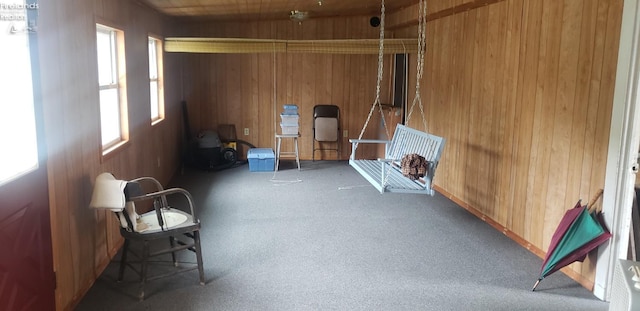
point(180, 227)
point(326, 128)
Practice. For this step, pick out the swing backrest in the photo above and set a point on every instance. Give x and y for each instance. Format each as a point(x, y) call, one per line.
point(407, 140)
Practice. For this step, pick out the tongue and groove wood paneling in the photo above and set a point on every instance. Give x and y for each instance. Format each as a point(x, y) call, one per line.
point(521, 89)
point(302, 79)
point(523, 92)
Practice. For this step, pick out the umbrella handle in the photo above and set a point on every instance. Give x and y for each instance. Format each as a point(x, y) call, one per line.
point(593, 201)
point(535, 285)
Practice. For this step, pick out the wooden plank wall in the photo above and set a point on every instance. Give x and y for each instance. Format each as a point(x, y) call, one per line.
point(85, 240)
point(248, 90)
point(523, 91)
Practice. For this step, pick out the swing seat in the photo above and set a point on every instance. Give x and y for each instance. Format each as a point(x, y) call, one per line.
point(386, 174)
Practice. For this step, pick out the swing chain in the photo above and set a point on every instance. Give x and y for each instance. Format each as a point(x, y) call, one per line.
point(379, 80)
point(422, 42)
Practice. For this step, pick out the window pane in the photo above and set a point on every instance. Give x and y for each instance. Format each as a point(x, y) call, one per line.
point(109, 116)
point(17, 119)
point(153, 59)
point(156, 100)
point(153, 86)
point(106, 53)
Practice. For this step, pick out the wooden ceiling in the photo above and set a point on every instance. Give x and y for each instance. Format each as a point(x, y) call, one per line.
point(248, 10)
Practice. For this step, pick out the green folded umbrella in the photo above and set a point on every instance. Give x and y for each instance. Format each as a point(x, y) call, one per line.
point(576, 229)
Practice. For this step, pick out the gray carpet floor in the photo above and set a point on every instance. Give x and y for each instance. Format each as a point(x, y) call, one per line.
point(323, 239)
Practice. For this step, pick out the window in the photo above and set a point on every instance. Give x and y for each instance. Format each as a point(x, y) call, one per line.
point(112, 81)
point(156, 86)
point(17, 118)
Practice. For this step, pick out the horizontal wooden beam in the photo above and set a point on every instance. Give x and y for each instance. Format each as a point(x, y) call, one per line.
point(242, 45)
point(408, 17)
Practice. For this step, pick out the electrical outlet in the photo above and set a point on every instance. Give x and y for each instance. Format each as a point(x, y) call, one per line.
point(246, 131)
point(345, 133)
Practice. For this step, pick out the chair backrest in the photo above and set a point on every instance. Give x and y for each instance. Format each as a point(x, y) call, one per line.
point(326, 122)
point(326, 111)
point(120, 197)
point(407, 140)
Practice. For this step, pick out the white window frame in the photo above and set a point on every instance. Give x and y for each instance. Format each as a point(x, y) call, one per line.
point(116, 81)
point(156, 78)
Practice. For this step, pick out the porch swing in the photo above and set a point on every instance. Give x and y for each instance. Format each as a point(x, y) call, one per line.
point(389, 174)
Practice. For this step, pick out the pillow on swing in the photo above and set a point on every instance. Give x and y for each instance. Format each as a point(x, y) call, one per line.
point(413, 166)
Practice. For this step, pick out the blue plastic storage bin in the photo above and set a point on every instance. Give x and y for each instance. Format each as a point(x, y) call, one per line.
point(261, 159)
point(290, 110)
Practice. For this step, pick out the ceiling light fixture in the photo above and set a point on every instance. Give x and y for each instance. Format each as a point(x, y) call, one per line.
point(299, 16)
